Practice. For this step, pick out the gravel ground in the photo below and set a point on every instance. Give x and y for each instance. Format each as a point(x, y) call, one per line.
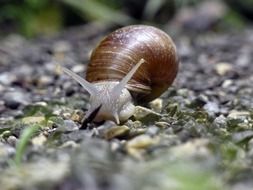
point(197, 136)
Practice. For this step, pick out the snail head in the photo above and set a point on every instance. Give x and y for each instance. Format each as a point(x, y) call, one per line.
point(109, 100)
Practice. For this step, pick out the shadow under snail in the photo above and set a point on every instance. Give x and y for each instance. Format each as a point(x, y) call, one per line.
point(134, 64)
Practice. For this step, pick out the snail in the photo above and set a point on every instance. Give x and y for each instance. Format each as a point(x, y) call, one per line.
point(133, 64)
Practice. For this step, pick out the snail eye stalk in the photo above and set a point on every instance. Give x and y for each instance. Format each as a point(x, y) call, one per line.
point(84, 83)
point(119, 87)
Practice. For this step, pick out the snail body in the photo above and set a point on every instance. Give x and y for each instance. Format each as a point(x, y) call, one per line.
point(132, 64)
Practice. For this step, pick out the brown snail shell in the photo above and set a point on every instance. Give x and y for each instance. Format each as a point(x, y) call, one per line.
point(118, 52)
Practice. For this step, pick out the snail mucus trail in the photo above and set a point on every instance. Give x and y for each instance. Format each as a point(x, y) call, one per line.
point(133, 64)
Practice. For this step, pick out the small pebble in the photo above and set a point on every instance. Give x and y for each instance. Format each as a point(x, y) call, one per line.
point(79, 68)
point(162, 124)
point(12, 140)
point(227, 83)
point(193, 148)
point(223, 68)
point(66, 115)
point(33, 119)
point(14, 99)
point(6, 150)
point(220, 121)
point(116, 131)
point(45, 80)
point(61, 46)
point(44, 104)
point(242, 135)
point(70, 125)
point(7, 78)
point(39, 140)
point(211, 107)
point(146, 115)
point(5, 134)
point(136, 132)
point(152, 130)
point(69, 144)
point(141, 141)
point(137, 146)
point(156, 105)
point(115, 145)
point(235, 114)
point(77, 116)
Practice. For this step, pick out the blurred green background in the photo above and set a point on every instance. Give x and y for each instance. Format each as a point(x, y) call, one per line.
point(45, 17)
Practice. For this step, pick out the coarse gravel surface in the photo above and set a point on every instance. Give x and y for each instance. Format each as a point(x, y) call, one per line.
point(197, 135)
